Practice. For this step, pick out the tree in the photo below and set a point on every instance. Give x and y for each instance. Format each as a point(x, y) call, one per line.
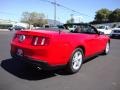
point(33, 18)
point(102, 15)
point(115, 16)
point(70, 20)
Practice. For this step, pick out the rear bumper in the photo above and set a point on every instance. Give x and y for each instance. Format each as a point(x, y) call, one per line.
point(35, 54)
point(33, 62)
point(42, 58)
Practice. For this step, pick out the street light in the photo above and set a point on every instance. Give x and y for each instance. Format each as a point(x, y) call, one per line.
point(54, 12)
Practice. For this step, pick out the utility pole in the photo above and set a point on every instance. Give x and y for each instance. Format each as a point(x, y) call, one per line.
point(79, 19)
point(54, 12)
point(72, 18)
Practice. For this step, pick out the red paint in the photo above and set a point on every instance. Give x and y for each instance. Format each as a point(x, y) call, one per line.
point(57, 47)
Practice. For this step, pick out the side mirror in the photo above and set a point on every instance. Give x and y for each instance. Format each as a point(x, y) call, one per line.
point(100, 32)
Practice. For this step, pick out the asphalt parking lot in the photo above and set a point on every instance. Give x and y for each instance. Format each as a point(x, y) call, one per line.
point(100, 73)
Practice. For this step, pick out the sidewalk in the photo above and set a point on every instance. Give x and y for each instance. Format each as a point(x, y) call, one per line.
point(4, 30)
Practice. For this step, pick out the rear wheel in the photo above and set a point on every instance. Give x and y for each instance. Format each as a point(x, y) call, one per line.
point(75, 62)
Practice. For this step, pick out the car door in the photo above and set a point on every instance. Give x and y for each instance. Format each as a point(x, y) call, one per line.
point(97, 40)
point(94, 40)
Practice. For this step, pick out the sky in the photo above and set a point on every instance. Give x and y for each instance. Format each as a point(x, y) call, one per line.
point(13, 9)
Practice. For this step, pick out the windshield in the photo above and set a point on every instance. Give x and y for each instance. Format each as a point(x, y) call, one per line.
point(101, 27)
point(118, 26)
point(80, 28)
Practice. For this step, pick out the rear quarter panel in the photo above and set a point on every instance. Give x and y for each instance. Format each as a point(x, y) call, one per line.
point(65, 44)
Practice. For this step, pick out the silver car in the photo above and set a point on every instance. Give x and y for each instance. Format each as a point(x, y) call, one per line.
point(115, 32)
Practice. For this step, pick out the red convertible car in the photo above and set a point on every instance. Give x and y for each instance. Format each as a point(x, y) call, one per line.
point(48, 48)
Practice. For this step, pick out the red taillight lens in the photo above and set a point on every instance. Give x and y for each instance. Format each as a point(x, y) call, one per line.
point(40, 41)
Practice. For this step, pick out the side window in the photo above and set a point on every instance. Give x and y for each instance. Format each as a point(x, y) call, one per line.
point(92, 30)
point(89, 30)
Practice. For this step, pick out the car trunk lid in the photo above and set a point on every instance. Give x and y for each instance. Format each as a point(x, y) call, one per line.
point(26, 37)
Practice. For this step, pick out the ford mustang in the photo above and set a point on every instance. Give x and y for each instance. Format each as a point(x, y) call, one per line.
point(54, 47)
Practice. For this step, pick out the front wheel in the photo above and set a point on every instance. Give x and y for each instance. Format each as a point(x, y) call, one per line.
point(75, 62)
point(107, 49)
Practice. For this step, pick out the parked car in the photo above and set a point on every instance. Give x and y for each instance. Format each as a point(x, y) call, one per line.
point(72, 27)
point(16, 28)
point(59, 47)
point(106, 29)
point(115, 32)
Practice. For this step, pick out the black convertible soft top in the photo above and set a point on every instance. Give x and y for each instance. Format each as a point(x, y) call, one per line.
point(77, 24)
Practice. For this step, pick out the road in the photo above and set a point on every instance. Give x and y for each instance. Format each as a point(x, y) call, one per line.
point(100, 73)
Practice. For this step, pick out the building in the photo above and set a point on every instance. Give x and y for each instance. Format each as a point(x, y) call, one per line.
point(5, 24)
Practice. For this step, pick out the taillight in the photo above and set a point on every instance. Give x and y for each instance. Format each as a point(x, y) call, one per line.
point(40, 41)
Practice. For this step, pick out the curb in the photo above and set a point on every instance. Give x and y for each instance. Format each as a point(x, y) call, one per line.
point(4, 30)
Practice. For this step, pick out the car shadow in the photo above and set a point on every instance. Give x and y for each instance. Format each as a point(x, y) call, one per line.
point(91, 58)
point(23, 71)
point(19, 69)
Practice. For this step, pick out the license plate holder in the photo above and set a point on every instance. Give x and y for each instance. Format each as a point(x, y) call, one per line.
point(19, 52)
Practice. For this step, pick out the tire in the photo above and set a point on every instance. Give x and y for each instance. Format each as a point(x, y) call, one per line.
point(75, 61)
point(107, 48)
